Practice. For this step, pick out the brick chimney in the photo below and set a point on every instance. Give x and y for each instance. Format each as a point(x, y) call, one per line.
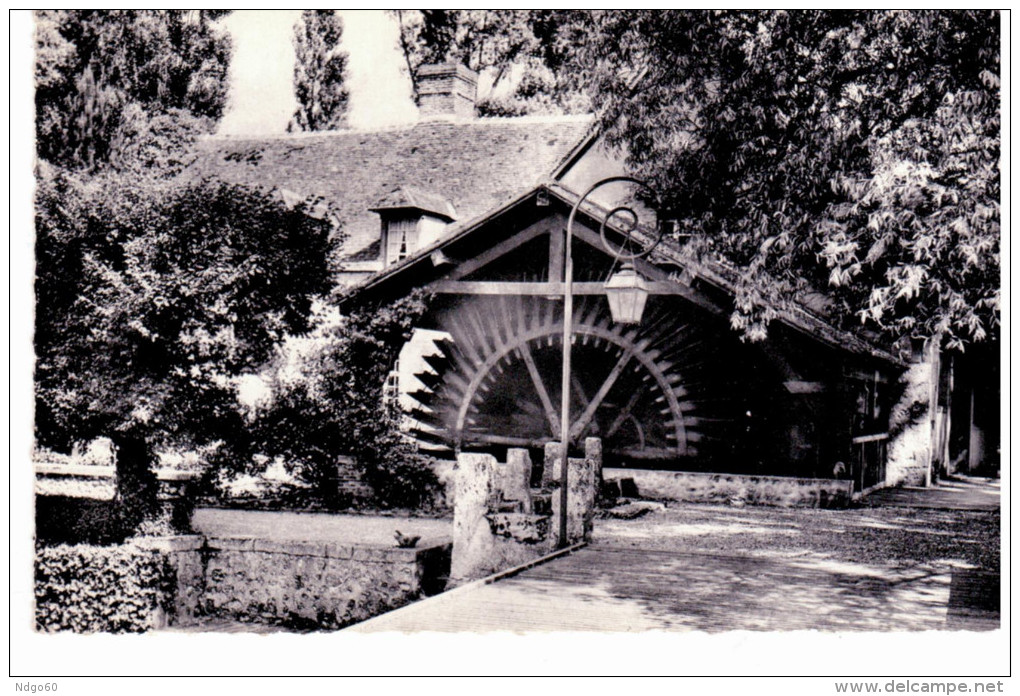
point(447, 90)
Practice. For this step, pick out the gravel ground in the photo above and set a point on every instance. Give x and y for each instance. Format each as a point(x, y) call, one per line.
point(873, 536)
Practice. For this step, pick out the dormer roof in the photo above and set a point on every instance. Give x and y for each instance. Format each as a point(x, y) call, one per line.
point(414, 198)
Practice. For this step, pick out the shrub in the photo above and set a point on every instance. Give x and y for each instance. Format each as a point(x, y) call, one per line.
point(88, 589)
point(65, 520)
point(335, 407)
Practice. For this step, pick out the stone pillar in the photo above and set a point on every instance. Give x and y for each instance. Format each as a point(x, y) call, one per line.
point(582, 482)
point(175, 501)
point(474, 478)
point(551, 464)
point(593, 453)
point(515, 478)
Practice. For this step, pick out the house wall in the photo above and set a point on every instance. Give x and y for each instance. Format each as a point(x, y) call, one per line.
point(595, 164)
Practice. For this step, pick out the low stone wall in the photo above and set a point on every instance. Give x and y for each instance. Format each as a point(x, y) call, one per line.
point(78, 504)
point(296, 584)
point(314, 585)
point(76, 481)
point(693, 487)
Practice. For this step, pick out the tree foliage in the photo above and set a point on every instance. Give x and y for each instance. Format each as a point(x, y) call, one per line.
point(853, 150)
point(153, 301)
point(319, 72)
point(126, 87)
point(327, 399)
point(520, 50)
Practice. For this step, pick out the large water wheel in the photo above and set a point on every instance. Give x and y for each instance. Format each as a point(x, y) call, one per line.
point(652, 393)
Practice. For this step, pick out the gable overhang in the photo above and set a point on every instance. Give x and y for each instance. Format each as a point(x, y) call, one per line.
point(710, 286)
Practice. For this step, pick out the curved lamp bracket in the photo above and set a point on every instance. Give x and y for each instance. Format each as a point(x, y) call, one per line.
point(625, 219)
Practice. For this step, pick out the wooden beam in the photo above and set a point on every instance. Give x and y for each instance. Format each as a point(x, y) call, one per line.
point(504, 247)
point(543, 394)
point(876, 437)
point(600, 395)
point(556, 258)
point(802, 387)
point(505, 287)
point(649, 270)
point(624, 413)
point(468, 438)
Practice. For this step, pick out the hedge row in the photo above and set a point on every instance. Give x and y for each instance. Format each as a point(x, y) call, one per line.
point(112, 589)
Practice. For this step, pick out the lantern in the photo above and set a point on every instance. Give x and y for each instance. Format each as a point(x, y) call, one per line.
point(627, 293)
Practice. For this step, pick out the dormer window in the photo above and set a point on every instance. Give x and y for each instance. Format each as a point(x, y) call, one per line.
point(411, 219)
point(400, 239)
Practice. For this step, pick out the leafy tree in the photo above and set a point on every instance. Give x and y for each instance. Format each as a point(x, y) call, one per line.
point(327, 400)
point(319, 72)
point(153, 301)
point(522, 49)
point(118, 83)
point(856, 150)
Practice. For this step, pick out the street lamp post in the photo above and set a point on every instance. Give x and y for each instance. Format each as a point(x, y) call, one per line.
point(626, 291)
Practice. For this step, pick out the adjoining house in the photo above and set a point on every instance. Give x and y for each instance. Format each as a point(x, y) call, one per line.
point(474, 210)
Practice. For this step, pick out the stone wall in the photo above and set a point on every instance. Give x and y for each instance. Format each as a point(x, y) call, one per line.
point(734, 488)
point(296, 584)
point(314, 585)
point(83, 504)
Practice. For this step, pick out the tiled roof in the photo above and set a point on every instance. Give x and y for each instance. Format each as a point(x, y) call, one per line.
point(475, 165)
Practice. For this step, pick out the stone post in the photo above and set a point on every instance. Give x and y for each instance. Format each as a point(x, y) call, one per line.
point(184, 557)
point(474, 478)
point(515, 478)
point(582, 481)
point(551, 463)
point(175, 501)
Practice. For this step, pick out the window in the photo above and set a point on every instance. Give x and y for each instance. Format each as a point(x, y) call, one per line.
point(401, 239)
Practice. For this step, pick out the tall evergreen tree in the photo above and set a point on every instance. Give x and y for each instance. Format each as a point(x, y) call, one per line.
point(112, 86)
point(319, 72)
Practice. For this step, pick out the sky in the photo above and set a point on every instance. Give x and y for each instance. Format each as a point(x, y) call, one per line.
point(261, 100)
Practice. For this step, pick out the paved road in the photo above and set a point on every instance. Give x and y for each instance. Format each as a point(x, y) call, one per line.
point(615, 589)
point(958, 493)
point(651, 574)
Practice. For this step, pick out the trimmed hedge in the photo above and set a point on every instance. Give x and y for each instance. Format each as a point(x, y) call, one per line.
point(113, 589)
point(64, 520)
